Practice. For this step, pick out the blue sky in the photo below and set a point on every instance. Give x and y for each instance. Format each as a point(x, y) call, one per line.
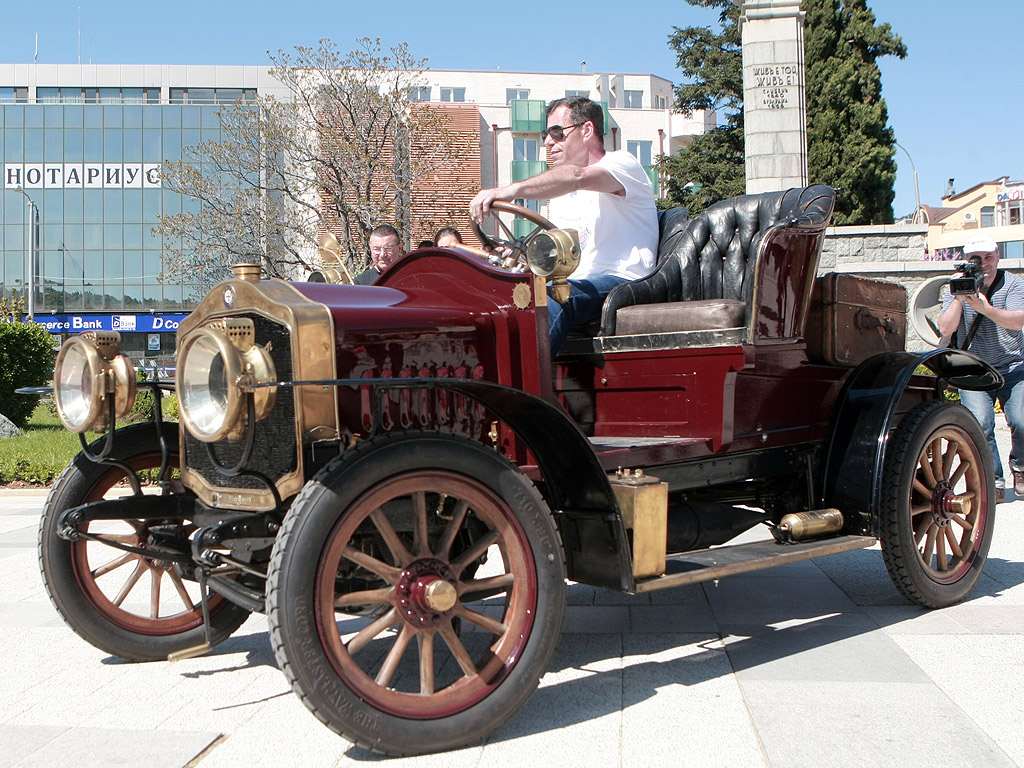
point(954, 102)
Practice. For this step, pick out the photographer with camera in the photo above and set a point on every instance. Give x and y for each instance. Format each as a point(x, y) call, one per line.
point(984, 309)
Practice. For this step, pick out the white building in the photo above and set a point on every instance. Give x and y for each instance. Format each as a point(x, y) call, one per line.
point(638, 108)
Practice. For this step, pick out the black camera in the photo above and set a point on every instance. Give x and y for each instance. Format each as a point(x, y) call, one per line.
point(971, 281)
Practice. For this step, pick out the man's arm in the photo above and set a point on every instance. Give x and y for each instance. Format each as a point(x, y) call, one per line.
point(552, 183)
point(949, 320)
point(1007, 318)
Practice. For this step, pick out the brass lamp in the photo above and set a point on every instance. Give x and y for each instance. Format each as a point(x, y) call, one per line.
point(555, 254)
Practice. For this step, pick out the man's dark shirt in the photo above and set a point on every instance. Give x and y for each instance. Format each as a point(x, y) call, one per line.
point(367, 276)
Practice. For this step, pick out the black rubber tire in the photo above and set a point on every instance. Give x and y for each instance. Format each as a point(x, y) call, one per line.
point(917, 522)
point(322, 671)
point(72, 583)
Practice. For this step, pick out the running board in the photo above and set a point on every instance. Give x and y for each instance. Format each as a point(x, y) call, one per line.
point(714, 563)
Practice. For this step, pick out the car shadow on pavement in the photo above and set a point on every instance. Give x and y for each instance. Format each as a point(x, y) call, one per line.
point(766, 623)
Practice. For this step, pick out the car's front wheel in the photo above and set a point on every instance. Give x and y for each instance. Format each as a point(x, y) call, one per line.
point(416, 592)
point(132, 604)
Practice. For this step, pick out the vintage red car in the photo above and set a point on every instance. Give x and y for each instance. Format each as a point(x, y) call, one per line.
point(403, 480)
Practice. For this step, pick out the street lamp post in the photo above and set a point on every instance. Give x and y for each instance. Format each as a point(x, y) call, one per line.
point(917, 190)
point(30, 303)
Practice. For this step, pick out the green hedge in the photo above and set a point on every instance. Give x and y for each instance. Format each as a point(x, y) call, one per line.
point(26, 360)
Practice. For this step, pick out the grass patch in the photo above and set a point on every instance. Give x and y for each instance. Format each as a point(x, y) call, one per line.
point(42, 451)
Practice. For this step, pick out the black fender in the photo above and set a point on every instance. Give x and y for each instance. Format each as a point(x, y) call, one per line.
point(576, 486)
point(865, 415)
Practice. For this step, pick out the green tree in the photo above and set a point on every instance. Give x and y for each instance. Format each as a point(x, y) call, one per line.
point(709, 168)
point(26, 360)
point(342, 151)
point(850, 145)
point(849, 142)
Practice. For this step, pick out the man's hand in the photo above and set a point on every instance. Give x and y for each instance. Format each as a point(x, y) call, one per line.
point(979, 302)
point(480, 207)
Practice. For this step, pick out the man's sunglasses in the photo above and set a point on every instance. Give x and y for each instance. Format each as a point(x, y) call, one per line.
point(557, 132)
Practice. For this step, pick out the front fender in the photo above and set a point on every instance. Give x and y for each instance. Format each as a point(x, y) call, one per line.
point(865, 415)
point(576, 485)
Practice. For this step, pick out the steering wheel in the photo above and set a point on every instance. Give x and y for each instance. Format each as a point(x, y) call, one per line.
point(516, 245)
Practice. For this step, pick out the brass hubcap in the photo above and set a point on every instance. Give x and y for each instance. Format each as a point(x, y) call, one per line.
point(440, 595)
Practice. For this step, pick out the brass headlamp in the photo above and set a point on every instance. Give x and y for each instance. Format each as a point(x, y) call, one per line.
point(90, 369)
point(216, 363)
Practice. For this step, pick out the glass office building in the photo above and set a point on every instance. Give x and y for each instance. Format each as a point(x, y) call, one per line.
point(82, 158)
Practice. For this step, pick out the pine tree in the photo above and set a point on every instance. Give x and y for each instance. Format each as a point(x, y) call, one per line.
point(850, 145)
point(710, 168)
point(849, 142)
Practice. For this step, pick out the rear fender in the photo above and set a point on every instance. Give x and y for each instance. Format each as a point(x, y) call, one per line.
point(865, 414)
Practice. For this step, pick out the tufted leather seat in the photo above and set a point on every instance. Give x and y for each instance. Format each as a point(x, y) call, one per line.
point(708, 264)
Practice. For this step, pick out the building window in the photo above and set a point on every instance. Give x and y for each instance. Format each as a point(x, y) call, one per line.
point(13, 95)
point(201, 96)
point(197, 95)
point(660, 102)
point(513, 94)
point(453, 94)
point(632, 99)
point(580, 94)
point(419, 93)
point(641, 150)
point(532, 205)
point(524, 149)
point(1013, 249)
point(988, 215)
point(1009, 213)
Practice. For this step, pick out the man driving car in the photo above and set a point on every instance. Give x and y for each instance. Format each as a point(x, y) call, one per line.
point(605, 196)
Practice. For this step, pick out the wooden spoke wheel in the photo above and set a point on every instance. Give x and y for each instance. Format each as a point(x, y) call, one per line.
point(417, 594)
point(131, 605)
point(938, 504)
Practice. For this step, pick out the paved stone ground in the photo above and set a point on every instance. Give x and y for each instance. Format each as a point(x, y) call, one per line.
point(811, 665)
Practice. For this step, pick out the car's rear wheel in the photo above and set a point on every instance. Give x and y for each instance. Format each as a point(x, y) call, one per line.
point(134, 606)
point(416, 592)
point(938, 504)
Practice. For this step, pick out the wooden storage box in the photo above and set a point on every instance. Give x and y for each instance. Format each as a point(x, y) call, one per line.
point(853, 318)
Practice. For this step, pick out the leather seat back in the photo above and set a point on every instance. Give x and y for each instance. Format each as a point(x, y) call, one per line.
point(714, 255)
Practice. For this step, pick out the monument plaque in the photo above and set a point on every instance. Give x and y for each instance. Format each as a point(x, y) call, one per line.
point(775, 120)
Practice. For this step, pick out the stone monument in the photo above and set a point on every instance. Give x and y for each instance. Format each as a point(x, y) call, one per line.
point(775, 111)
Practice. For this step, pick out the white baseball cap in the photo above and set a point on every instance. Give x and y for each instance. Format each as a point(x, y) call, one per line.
point(979, 244)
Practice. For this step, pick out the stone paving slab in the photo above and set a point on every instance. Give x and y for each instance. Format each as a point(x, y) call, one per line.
point(814, 724)
point(45, 747)
point(812, 664)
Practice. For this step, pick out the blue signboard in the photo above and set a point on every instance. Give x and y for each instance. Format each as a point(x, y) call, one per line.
point(124, 323)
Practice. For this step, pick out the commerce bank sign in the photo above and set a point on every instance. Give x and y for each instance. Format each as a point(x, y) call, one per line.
point(82, 176)
point(141, 323)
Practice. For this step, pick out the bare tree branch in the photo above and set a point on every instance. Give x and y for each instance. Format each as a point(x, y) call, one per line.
point(342, 153)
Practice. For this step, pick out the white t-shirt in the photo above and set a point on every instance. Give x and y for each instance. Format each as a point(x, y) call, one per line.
point(618, 235)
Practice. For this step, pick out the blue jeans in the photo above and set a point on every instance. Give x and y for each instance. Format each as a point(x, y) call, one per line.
point(584, 305)
point(982, 404)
